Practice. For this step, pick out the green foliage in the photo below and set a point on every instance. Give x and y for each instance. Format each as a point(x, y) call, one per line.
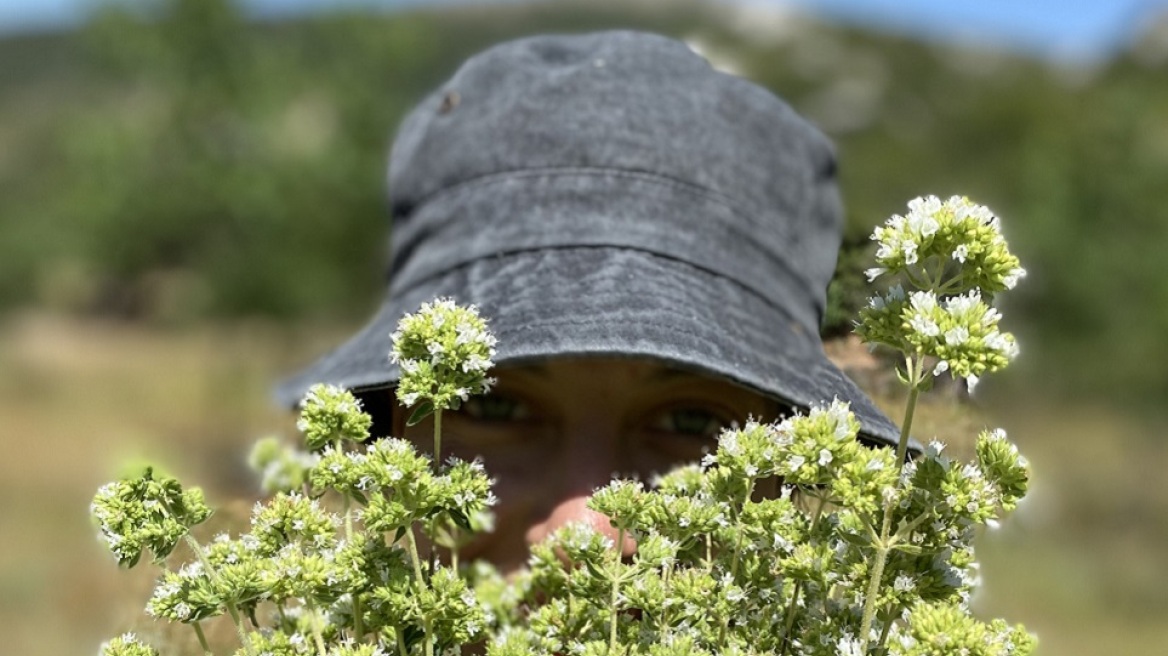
point(879, 561)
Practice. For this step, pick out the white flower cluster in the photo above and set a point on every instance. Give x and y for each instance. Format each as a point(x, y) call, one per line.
point(954, 254)
point(935, 233)
point(444, 351)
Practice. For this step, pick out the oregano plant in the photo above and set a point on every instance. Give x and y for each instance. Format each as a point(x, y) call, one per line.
point(791, 537)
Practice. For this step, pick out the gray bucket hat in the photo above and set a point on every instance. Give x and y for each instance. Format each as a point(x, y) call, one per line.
point(611, 194)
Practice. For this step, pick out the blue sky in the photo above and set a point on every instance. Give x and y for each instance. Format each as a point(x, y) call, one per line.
point(1076, 29)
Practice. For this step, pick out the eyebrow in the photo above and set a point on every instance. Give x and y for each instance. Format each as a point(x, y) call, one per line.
point(534, 369)
point(671, 373)
point(660, 374)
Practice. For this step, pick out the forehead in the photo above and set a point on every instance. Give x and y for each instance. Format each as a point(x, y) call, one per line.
point(620, 374)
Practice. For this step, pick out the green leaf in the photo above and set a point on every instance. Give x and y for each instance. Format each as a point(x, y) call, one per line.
point(908, 548)
point(596, 572)
point(401, 531)
point(460, 520)
point(854, 539)
point(902, 376)
point(421, 412)
point(411, 634)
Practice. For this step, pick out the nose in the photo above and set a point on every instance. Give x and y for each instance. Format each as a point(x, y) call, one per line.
point(575, 510)
point(590, 455)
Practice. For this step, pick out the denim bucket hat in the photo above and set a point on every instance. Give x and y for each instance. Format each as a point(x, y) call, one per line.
point(611, 194)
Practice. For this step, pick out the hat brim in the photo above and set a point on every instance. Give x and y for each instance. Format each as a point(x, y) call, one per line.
point(607, 301)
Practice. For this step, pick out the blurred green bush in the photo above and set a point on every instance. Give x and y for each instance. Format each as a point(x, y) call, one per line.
point(172, 161)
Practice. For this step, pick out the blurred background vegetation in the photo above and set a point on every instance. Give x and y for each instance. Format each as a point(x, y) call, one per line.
point(192, 203)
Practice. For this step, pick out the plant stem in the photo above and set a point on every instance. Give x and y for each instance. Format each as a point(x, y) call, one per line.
point(437, 439)
point(202, 638)
point(665, 607)
point(909, 410)
point(214, 574)
point(884, 633)
point(401, 644)
point(455, 536)
point(420, 582)
point(358, 624)
point(915, 370)
point(870, 599)
point(737, 520)
point(620, 543)
point(433, 555)
point(314, 621)
point(799, 584)
point(358, 629)
point(791, 618)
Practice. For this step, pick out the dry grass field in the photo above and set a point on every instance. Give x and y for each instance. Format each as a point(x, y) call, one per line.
point(1083, 562)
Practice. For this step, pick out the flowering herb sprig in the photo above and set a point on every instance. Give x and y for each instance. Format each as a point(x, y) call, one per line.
point(147, 511)
point(954, 256)
point(307, 578)
point(949, 246)
point(444, 352)
point(789, 538)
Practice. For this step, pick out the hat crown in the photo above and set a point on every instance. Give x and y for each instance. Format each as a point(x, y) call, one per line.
point(625, 101)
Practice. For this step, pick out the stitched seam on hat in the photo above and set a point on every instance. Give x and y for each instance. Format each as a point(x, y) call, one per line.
point(470, 184)
point(619, 247)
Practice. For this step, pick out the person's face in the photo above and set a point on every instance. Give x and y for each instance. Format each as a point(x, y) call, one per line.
point(552, 433)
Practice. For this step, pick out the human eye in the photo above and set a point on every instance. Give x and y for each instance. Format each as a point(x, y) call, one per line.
point(698, 422)
point(495, 408)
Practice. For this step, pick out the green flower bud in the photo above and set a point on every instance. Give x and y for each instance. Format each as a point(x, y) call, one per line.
point(343, 471)
point(127, 644)
point(357, 650)
point(146, 512)
point(677, 645)
point(292, 519)
point(623, 502)
point(394, 464)
point(1008, 471)
point(450, 608)
point(864, 482)
point(187, 595)
point(945, 629)
point(810, 448)
point(960, 331)
point(244, 578)
point(330, 414)
point(513, 642)
point(275, 643)
point(749, 452)
point(463, 491)
point(281, 468)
